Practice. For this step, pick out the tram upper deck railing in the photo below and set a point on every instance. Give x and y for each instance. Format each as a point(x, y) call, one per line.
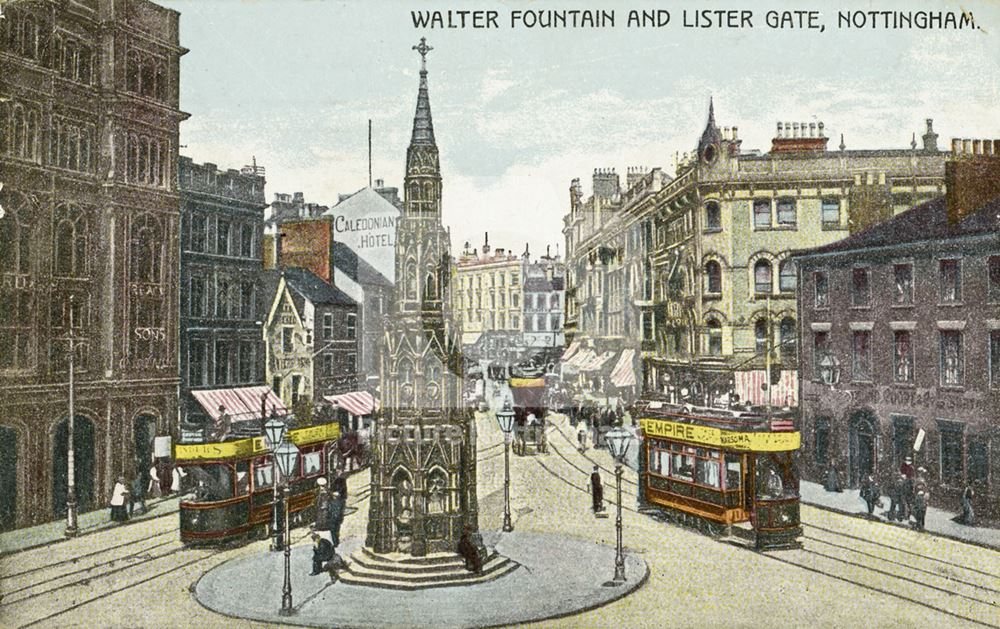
point(753, 419)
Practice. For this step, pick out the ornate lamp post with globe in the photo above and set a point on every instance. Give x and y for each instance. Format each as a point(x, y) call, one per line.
point(618, 439)
point(274, 434)
point(505, 417)
point(286, 455)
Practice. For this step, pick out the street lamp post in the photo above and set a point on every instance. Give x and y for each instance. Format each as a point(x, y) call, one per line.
point(505, 417)
point(71, 520)
point(274, 434)
point(286, 456)
point(618, 440)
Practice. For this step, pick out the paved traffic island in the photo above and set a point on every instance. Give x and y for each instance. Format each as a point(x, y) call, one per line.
point(558, 576)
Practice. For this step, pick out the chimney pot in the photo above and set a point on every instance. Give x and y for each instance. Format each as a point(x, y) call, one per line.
point(779, 130)
point(956, 147)
point(821, 129)
point(735, 135)
point(977, 147)
point(967, 147)
point(795, 129)
point(812, 129)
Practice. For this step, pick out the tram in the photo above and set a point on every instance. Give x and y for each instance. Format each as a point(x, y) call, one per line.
point(233, 483)
point(527, 387)
point(725, 472)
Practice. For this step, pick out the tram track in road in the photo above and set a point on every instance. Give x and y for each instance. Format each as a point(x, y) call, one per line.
point(959, 598)
point(569, 441)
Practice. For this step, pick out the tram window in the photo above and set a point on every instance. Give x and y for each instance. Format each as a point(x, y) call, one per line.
point(212, 483)
point(263, 474)
point(769, 483)
point(242, 478)
point(682, 462)
point(312, 463)
point(707, 472)
point(733, 467)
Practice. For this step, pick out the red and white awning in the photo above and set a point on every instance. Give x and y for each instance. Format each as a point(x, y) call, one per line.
point(623, 375)
point(573, 348)
point(356, 402)
point(240, 404)
point(580, 359)
point(750, 387)
point(597, 362)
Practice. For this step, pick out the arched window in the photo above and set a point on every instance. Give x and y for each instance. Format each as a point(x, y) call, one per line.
point(788, 338)
point(430, 287)
point(160, 79)
point(786, 277)
point(18, 124)
point(147, 251)
point(437, 491)
point(132, 160)
point(762, 277)
point(714, 334)
point(554, 302)
point(147, 79)
point(760, 336)
point(713, 277)
point(31, 136)
point(142, 166)
point(713, 216)
point(17, 312)
point(132, 72)
point(410, 279)
point(69, 59)
point(155, 164)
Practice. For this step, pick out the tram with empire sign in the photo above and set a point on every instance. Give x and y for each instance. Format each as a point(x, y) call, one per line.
point(723, 471)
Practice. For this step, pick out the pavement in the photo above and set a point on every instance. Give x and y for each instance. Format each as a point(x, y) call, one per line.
point(558, 576)
point(937, 522)
point(89, 522)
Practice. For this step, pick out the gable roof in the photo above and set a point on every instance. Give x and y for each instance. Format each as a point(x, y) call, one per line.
point(925, 222)
point(308, 285)
point(364, 202)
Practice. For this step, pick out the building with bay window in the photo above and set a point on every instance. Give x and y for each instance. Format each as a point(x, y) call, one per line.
point(89, 120)
point(693, 270)
point(900, 329)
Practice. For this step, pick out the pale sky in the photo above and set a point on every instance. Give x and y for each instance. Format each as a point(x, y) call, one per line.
point(519, 112)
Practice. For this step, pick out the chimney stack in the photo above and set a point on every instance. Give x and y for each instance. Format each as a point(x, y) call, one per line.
point(930, 138)
point(971, 176)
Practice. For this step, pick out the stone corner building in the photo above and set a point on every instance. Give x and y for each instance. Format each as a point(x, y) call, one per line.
point(89, 124)
point(424, 472)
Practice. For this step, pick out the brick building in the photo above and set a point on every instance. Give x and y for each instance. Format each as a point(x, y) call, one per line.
point(222, 304)
point(89, 123)
point(900, 329)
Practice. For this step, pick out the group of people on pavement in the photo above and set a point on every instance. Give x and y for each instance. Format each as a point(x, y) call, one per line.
point(908, 495)
point(128, 493)
point(331, 504)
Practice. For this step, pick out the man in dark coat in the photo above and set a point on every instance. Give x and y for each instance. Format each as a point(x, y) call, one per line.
point(895, 503)
point(832, 478)
point(919, 510)
point(870, 494)
point(469, 551)
point(322, 506)
point(336, 509)
point(322, 553)
point(339, 483)
point(597, 491)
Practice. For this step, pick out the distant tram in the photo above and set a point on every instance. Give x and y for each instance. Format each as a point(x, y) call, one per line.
point(232, 483)
point(720, 470)
point(527, 387)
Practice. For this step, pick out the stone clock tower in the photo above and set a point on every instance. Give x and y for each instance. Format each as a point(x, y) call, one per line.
point(424, 468)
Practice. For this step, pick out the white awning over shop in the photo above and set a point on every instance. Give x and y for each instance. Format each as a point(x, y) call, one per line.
point(580, 359)
point(597, 362)
point(573, 348)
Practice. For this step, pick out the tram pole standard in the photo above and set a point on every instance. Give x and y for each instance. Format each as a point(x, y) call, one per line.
point(71, 518)
point(286, 456)
point(618, 440)
point(274, 434)
point(505, 417)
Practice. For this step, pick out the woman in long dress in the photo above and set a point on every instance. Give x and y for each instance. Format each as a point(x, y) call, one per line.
point(119, 501)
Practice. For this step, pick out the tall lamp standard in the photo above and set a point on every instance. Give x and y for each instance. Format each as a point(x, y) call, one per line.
point(274, 434)
point(505, 417)
point(71, 520)
point(618, 440)
point(286, 455)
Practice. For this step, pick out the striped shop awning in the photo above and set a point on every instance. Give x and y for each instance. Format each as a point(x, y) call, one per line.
point(573, 348)
point(240, 404)
point(356, 403)
point(581, 358)
point(597, 362)
point(623, 375)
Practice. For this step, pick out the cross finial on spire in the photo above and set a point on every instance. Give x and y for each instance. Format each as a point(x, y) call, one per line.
point(423, 49)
